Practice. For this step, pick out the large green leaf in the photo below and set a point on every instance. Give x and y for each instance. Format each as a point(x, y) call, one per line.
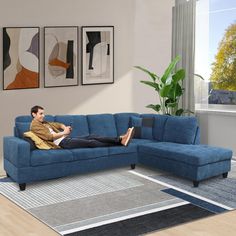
point(164, 91)
point(169, 69)
point(152, 84)
point(179, 112)
point(178, 90)
point(179, 75)
point(156, 107)
point(151, 74)
point(173, 104)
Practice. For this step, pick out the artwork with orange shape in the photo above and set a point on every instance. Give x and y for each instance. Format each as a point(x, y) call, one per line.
point(60, 56)
point(20, 57)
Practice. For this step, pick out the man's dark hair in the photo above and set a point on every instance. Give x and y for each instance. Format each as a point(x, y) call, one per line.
point(35, 109)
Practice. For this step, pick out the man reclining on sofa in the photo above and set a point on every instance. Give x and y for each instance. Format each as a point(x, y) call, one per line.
point(56, 135)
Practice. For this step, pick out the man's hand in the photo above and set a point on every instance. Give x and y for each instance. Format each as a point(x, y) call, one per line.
point(67, 130)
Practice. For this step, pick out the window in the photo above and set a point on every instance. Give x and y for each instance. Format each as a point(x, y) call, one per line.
point(215, 53)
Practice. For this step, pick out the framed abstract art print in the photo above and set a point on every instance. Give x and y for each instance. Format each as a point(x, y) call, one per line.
point(97, 54)
point(20, 57)
point(60, 56)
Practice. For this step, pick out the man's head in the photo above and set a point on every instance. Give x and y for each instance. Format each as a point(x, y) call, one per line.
point(37, 112)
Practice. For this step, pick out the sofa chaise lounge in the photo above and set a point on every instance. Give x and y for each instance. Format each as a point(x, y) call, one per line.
point(166, 142)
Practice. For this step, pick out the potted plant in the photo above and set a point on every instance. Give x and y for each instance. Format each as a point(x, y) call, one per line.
point(168, 87)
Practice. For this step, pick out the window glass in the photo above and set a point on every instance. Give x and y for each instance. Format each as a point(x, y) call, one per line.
point(215, 58)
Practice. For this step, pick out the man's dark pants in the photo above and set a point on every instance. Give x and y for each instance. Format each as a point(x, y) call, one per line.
point(89, 141)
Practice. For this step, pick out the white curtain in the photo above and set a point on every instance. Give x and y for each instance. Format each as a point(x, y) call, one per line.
point(183, 44)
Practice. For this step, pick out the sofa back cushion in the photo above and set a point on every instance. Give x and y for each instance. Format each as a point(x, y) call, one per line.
point(22, 124)
point(159, 127)
point(78, 122)
point(143, 126)
point(123, 121)
point(180, 130)
point(102, 124)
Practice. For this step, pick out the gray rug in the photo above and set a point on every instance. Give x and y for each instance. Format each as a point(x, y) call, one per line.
point(216, 189)
point(84, 201)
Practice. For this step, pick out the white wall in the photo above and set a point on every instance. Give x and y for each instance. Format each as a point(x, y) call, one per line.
point(142, 37)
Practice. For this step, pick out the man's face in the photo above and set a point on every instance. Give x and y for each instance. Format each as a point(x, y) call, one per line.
point(39, 116)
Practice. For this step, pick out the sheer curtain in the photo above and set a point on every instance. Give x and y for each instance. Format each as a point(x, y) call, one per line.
point(183, 44)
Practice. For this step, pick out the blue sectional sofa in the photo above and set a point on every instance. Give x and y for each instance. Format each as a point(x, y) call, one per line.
point(165, 142)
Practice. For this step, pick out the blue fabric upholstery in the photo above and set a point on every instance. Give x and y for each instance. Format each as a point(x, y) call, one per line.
point(197, 136)
point(143, 126)
point(132, 148)
point(103, 125)
point(180, 130)
point(89, 153)
point(123, 121)
point(22, 127)
point(197, 155)
point(16, 151)
point(22, 124)
point(169, 145)
point(47, 157)
point(78, 122)
point(159, 126)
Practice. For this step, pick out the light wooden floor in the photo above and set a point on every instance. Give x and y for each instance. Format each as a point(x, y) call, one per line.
point(16, 221)
point(220, 225)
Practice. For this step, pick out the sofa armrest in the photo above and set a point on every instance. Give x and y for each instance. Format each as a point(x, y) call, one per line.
point(17, 151)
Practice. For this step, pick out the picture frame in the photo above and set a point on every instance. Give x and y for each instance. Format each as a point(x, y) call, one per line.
point(60, 56)
point(97, 55)
point(21, 58)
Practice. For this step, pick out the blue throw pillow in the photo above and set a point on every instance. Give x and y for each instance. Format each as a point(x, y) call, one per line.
point(142, 126)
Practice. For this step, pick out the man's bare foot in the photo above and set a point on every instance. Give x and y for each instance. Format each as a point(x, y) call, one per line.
point(125, 139)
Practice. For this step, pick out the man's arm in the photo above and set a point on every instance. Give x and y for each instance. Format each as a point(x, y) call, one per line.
point(66, 131)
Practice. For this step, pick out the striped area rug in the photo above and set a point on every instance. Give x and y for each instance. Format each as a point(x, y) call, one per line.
point(87, 203)
point(82, 201)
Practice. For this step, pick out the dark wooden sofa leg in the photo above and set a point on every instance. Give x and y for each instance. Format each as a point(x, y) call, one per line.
point(225, 175)
point(195, 184)
point(132, 166)
point(22, 186)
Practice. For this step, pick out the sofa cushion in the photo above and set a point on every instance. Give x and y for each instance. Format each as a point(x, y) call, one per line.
point(88, 153)
point(141, 141)
point(78, 122)
point(103, 125)
point(143, 127)
point(22, 124)
point(123, 121)
point(191, 154)
point(116, 150)
point(47, 157)
point(180, 129)
point(158, 127)
point(21, 128)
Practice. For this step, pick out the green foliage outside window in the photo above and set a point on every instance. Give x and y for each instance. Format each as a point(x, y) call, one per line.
point(223, 75)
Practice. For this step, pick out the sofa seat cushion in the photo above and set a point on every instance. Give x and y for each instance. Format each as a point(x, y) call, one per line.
point(141, 141)
point(197, 155)
point(116, 150)
point(88, 153)
point(47, 157)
